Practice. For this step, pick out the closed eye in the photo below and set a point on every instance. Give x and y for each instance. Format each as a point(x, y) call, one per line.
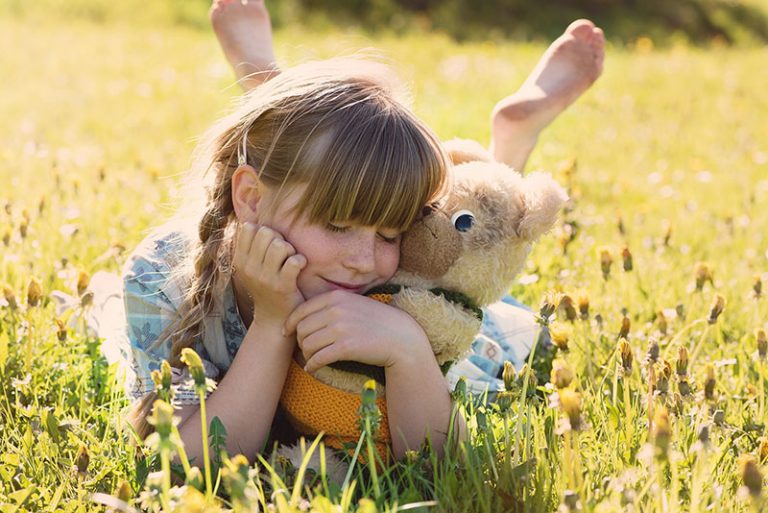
point(336, 228)
point(389, 240)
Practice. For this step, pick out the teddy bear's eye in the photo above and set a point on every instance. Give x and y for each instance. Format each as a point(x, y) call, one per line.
point(463, 220)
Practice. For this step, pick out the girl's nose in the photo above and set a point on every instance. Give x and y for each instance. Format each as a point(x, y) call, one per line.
point(360, 255)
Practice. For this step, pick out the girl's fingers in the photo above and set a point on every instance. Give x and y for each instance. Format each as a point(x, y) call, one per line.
point(310, 325)
point(315, 342)
point(276, 254)
point(323, 357)
point(309, 307)
point(245, 234)
point(261, 241)
point(292, 267)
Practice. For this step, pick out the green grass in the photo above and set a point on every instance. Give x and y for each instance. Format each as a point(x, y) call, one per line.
point(97, 124)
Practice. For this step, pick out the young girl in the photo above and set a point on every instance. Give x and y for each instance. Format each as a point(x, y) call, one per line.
point(564, 72)
point(310, 184)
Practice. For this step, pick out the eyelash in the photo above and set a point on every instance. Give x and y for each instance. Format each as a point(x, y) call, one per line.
point(341, 229)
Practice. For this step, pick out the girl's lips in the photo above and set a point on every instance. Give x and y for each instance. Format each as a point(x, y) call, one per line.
point(350, 287)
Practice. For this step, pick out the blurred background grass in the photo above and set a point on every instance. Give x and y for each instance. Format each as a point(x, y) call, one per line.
point(663, 21)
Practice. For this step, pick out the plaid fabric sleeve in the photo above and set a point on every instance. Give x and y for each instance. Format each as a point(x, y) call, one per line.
point(151, 305)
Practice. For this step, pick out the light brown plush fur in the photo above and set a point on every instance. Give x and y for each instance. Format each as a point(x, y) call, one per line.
point(510, 212)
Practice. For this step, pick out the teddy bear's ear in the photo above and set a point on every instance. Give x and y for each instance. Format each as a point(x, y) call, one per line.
point(542, 200)
point(466, 150)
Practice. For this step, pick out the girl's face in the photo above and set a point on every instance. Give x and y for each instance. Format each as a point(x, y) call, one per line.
point(340, 256)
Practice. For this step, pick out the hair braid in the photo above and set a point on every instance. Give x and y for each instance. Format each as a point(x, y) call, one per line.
point(211, 263)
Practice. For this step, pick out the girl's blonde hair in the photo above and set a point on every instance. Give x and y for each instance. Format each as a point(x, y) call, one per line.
point(338, 127)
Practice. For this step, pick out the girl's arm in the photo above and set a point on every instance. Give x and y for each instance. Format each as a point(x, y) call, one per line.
point(340, 325)
point(246, 398)
point(266, 268)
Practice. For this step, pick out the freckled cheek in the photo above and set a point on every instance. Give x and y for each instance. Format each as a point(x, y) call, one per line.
point(388, 259)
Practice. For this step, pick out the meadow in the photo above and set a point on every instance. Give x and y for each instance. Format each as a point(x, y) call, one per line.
point(662, 255)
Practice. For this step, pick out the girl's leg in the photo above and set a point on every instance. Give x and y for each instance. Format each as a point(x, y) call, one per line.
point(244, 31)
point(569, 66)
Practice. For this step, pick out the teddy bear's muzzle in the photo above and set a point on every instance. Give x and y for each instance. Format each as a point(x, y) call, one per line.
point(430, 247)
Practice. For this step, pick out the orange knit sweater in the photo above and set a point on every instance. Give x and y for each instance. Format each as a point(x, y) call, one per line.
point(313, 407)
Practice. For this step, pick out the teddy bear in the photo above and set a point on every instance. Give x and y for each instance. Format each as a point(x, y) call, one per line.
point(460, 256)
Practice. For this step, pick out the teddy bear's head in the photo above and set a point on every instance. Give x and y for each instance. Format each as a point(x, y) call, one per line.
point(477, 238)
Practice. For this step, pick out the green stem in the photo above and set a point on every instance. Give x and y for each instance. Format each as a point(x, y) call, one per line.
point(628, 417)
point(206, 459)
point(372, 459)
point(165, 465)
point(699, 344)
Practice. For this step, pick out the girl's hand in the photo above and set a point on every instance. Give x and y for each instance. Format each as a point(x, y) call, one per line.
point(340, 325)
point(267, 266)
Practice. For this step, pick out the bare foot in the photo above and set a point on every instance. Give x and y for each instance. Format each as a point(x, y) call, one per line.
point(569, 66)
point(244, 31)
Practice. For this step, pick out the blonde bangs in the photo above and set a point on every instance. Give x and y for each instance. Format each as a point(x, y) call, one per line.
point(376, 169)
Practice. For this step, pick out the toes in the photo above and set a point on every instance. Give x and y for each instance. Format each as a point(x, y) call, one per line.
point(581, 29)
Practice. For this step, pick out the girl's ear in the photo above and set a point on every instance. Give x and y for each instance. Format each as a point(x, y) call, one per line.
point(246, 193)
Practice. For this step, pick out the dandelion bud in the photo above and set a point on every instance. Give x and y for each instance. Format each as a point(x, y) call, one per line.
point(626, 257)
point(61, 330)
point(162, 418)
point(7, 238)
point(661, 321)
point(83, 279)
point(709, 382)
point(163, 380)
point(703, 274)
point(606, 260)
point(757, 286)
point(570, 404)
point(86, 299)
point(124, 491)
point(683, 387)
point(667, 226)
point(751, 475)
point(703, 434)
point(653, 351)
point(762, 449)
point(680, 311)
point(23, 228)
point(34, 292)
point(662, 379)
point(509, 375)
point(10, 297)
point(718, 305)
point(662, 434)
point(750, 390)
point(549, 305)
point(762, 343)
point(41, 205)
point(681, 365)
point(235, 478)
point(624, 330)
point(620, 226)
point(583, 301)
point(368, 409)
point(195, 365)
point(558, 333)
point(82, 460)
point(625, 352)
point(526, 373)
point(561, 375)
point(718, 417)
point(566, 305)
